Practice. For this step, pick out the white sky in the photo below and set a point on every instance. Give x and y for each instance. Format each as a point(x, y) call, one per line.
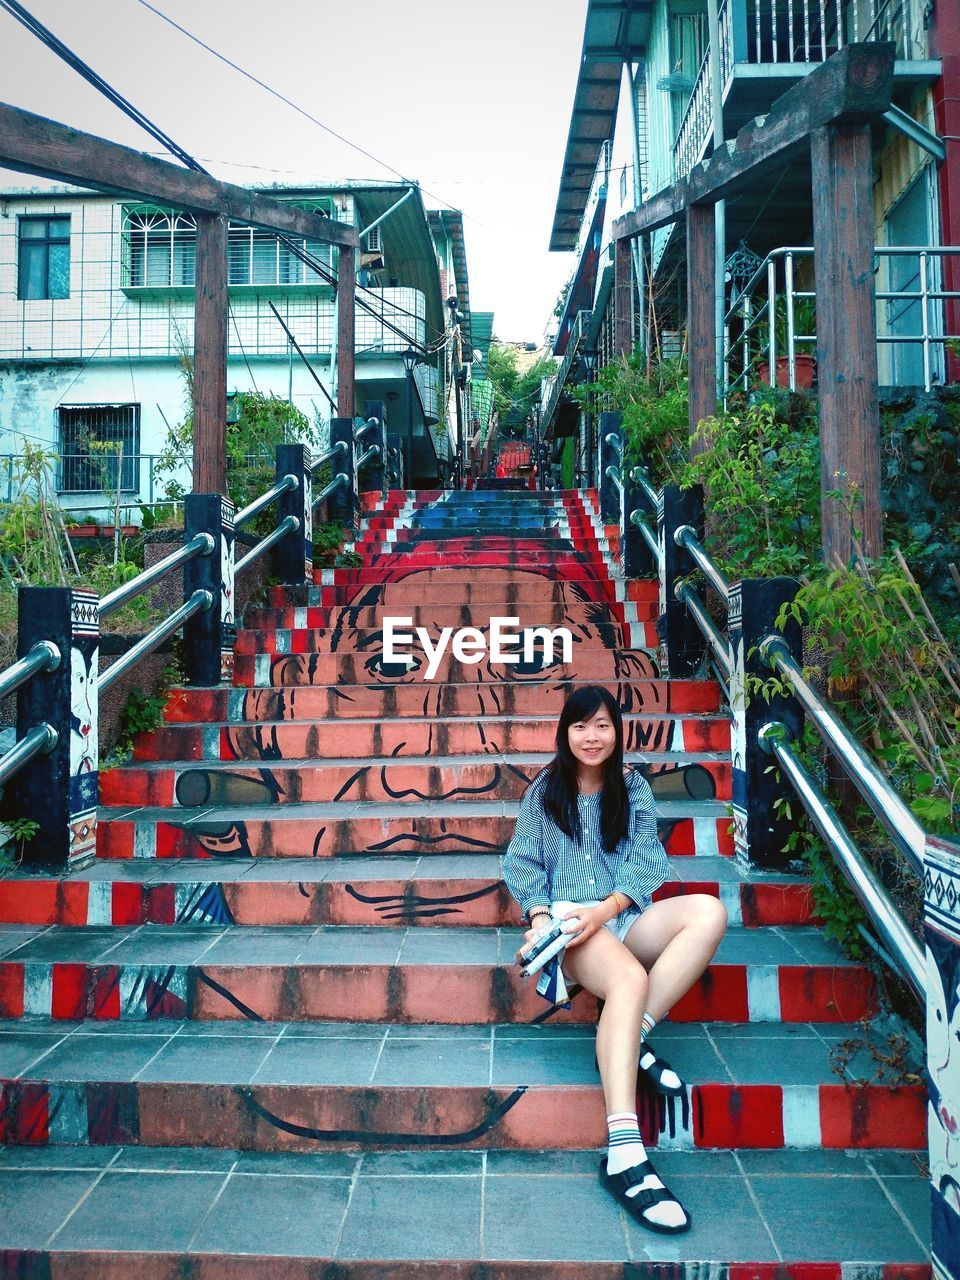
point(473, 101)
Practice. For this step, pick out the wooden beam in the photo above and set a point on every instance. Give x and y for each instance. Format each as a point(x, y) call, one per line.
point(622, 299)
point(701, 316)
point(853, 86)
point(33, 144)
point(843, 230)
point(210, 357)
point(346, 325)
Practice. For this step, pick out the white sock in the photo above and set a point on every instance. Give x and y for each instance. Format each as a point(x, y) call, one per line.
point(649, 1022)
point(625, 1149)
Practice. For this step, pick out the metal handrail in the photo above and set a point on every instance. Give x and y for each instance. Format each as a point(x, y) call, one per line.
point(643, 480)
point(265, 500)
point(372, 425)
point(612, 473)
point(340, 447)
point(43, 656)
point(325, 492)
point(200, 545)
point(774, 737)
point(888, 806)
point(614, 441)
point(698, 611)
point(290, 524)
point(200, 600)
point(41, 740)
point(686, 537)
point(367, 455)
point(649, 536)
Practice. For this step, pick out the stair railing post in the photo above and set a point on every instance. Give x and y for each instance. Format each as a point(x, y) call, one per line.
point(210, 635)
point(342, 504)
point(293, 556)
point(611, 498)
point(395, 453)
point(760, 830)
point(638, 562)
point(682, 642)
point(59, 789)
point(375, 409)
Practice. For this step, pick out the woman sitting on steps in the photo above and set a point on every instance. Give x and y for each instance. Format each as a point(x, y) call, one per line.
point(586, 852)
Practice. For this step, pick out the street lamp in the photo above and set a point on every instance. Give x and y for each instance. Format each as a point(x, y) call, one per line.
point(411, 359)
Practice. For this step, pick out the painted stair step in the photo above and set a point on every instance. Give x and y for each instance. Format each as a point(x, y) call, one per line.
point(371, 1087)
point(384, 780)
point(439, 891)
point(135, 1213)
point(551, 613)
point(598, 633)
point(455, 588)
point(471, 700)
point(419, 975)
point(503, 566)
point(362, 739)
point(594, 663)
point(687, 828)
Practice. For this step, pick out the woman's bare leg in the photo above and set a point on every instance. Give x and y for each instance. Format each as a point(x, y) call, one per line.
point(605, 967)
point(674, 941)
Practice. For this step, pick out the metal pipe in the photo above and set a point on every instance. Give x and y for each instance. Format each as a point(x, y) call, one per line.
point(686, 537)
point(648, 535)
point(200, 545)
point(340, 447)
point(614, 442)
point(640, 477)
point(367, 455)
point(393, 208)
point(200, 600)
point(698, 611)
point(40, 740)
point(906, 831)
point(43, 656)
point(288, 525)
point(265, 500)
point(372, 425)
point(774, 737)
point(613, 475)
point(327, 489)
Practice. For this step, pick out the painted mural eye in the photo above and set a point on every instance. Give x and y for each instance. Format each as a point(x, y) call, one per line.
point(392, 670)
point(539, 661)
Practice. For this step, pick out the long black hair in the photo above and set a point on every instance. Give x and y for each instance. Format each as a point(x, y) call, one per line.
point(562, 787)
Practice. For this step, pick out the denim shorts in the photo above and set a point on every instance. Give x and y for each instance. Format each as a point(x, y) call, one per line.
point(619, 926)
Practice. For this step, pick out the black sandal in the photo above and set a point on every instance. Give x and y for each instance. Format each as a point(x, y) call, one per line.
point(619, 1184)
point(654, 1068)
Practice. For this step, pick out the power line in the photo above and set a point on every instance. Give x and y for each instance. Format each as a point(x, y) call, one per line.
point(288, 101)
point(73, 60)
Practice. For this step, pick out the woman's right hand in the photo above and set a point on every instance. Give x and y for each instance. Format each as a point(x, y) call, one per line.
point(541, 925)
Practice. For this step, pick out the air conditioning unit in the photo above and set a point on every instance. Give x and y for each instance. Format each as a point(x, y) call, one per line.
point(371, 255)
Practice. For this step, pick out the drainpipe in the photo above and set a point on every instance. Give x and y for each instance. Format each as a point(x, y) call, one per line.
point(639, 261)
point(720, 208)
point(393, 208)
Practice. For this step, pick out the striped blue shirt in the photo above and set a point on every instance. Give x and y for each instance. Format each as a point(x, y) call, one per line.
point(543, 864)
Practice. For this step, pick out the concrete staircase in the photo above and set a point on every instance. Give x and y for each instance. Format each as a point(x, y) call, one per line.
point(276, 1029)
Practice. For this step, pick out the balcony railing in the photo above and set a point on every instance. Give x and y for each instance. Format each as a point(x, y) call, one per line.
point(782, 33)
point(770, 328)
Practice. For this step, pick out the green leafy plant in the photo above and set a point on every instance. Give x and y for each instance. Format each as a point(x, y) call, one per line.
point(18, 832)
point(348, 560)
point(141, 713)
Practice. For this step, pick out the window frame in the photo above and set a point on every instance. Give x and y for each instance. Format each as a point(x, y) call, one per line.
point(76, 468)
point(43, 243)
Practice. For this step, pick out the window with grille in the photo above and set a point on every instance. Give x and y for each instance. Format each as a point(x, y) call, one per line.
point(44, 258)
point(99, 444)
point(159, 250)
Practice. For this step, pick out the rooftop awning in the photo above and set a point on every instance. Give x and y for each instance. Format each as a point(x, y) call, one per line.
point(615, 32)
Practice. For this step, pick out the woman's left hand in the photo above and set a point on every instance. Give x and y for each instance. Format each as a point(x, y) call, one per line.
point(592, 920)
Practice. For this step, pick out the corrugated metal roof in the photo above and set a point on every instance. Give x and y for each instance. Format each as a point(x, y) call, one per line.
point(615, 31)
point(482, 326)
point(451, 220)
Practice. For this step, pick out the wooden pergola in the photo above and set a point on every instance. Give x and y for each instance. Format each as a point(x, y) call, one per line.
point(829, 114)
point(32, 144)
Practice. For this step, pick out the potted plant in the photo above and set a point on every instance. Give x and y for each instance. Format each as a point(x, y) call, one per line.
point(805, 362)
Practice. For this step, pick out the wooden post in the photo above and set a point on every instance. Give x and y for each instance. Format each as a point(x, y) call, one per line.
point(701, 316)
point(843, 232)
point(346, 324)
point(622, 299)
point(210, 357)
